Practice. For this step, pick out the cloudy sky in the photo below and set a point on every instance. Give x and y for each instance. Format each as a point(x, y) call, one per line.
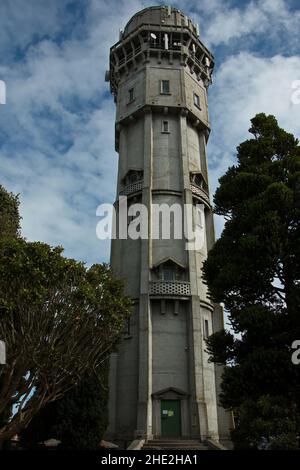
point(56, 130)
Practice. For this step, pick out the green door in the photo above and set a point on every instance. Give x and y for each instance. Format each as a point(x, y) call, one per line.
point(170, 418)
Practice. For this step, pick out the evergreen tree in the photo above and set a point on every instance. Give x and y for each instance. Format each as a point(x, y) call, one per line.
point(254, 269)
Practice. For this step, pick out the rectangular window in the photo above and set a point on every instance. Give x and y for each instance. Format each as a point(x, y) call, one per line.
point(165, 127)
point(131, 94)
point(169, 272)
point(197, 100)
point(165, 87)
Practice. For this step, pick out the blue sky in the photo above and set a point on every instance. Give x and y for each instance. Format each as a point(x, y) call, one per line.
point(56, 130)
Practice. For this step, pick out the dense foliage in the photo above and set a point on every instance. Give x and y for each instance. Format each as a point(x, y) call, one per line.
point(60, 321)
point(78, 420)
point(254, 269)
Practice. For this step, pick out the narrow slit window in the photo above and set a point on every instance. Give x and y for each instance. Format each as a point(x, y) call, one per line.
point(131, 94)
point(165, 87)
point(127, 329)
point(206, 329)
point(165, 127)
point(197, 100)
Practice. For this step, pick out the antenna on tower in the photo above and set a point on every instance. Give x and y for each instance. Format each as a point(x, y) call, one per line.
point(169, 10)
point(166, 37)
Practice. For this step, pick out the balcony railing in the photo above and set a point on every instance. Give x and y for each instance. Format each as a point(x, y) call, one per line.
point(199, 192)
point(132, 188)
point(160, 45)
point(170, 288)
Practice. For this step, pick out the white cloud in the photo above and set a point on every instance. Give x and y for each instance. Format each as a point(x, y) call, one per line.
point(220, 23)
point(56, 131)
point(234, 23)
point(243, 86)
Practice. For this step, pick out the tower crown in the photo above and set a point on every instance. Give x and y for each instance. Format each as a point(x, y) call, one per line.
point(160, 15)
point(161, 32)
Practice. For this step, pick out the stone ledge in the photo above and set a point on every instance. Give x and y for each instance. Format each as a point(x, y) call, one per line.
point(214, 445)
point(137, 444)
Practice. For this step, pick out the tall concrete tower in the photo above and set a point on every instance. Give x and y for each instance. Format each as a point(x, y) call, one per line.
point(161, 383)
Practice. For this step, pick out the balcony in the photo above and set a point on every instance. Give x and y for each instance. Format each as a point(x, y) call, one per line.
point(170, 288)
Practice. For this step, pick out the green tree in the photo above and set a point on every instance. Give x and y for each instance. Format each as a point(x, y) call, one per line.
point(254, 269)
point(9, 214)
point(60, 322)
point(78, 420)
point(9, 227)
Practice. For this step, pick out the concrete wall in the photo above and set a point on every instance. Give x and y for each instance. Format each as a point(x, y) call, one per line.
point(124, 383)
point(166, 154)
point(170, 345)
point(146, 82)
point(193, 149)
